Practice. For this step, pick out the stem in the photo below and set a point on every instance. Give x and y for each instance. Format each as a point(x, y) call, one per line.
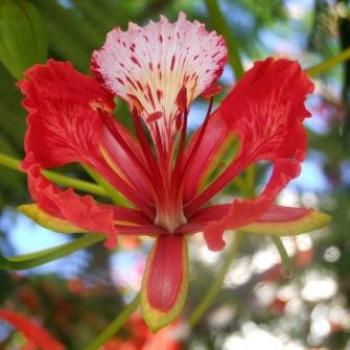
point(74, 183)
point(9, 162)
point(288, 266)
point(329, 63)
point(59, 179)
point(27, 261)
point(215, 287)
point(221, 25)
point(115, 325)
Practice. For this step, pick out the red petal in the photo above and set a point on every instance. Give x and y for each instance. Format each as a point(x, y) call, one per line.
point(244, 212)
point(63, 125)
point(35, 334)
point(265, 110)
point(83, 211)
point(65, 122)
point(165, 283)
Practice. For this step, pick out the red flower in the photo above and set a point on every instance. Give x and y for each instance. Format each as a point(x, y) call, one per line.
point(37, 336)
point(159, 70)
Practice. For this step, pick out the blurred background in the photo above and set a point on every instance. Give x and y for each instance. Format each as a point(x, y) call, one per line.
point(260, 305)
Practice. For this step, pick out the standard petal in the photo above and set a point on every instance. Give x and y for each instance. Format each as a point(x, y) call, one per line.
point(165, 282)
point(161, 67)
point(35, 334)
point(283, 221)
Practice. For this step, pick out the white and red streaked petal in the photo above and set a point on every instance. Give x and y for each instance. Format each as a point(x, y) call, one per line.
point(149, 66)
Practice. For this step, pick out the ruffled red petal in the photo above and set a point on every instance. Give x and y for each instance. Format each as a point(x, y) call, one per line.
point(63, 123)
point(66, 123)
point(244, 212)
point(35, 334)
point(266, 110)
point(82, 211)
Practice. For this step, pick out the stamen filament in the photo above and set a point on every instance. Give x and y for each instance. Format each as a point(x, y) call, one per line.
point(115, 132)
point(199, 139)
point(227, 176)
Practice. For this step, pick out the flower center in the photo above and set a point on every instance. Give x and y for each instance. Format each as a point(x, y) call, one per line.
point(170, 218)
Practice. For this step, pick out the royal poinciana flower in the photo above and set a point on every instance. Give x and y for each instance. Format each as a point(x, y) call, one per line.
point(170, 181)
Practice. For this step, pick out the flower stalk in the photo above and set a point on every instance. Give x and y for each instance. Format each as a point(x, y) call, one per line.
point(115, 325)
point(59, 179)
point(28, 261)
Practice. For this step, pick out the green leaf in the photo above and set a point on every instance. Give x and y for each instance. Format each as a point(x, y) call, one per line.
point(23, 36)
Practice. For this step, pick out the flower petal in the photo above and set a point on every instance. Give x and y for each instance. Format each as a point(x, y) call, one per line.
point(266, 111)
point(285, 221)
point(165, 282)
point(63, 124)
point(81, 211)
point(245, 212)
point(35, 334)
point(151, 67)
